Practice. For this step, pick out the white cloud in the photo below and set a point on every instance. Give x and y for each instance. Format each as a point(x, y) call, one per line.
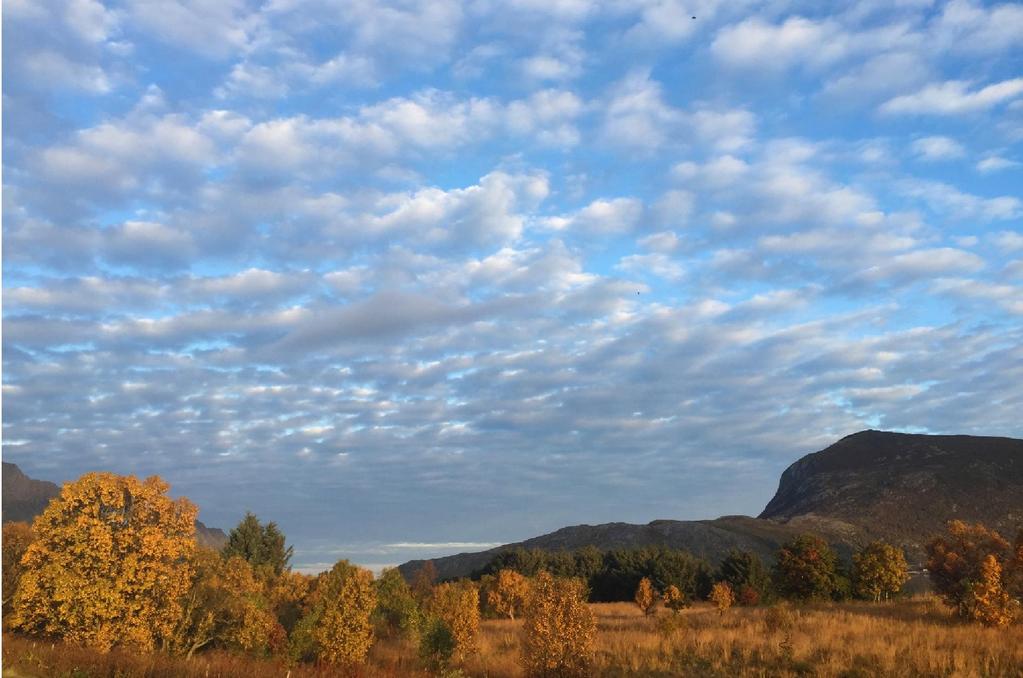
point(756, 44)
point(953, 98)
point(602, 217)
point(938, 148)
point(995, 163)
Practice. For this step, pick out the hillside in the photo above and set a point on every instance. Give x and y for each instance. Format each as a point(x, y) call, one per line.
point(869, 485)
point(24, 498)
point(904, 487)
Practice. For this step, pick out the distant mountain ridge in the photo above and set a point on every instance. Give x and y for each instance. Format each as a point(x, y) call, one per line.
point(870, 485)
point(24, 498)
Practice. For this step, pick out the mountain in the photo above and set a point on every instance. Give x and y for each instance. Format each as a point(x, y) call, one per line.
point(24, 498)
point(903, 487)
point(870, 485)
point(709, 539)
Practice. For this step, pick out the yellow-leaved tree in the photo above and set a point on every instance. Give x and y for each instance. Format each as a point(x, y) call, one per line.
point(227, 606)
point(722, 596)
point(343, 631)
point(645, 597)
point(457, 604)
point(17, 537)
point(507, 593)
point(559, 630)
point(879, 571)
point(110, 564)
point(991, 603)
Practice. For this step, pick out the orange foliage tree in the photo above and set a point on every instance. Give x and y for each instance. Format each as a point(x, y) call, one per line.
point(507, 593)
point(959, 568)
point(110, 564)
point(17, 537)
point(991, 603)
point(559, 631)
point(227, 606)
point(674, 599)
point(457, 604)
point(343, 632)
point(645, 597)
point(722, 596)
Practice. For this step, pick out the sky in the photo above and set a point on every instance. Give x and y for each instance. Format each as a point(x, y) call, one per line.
point(417, 277)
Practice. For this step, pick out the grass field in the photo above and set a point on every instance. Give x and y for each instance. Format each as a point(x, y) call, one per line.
point(914, 637)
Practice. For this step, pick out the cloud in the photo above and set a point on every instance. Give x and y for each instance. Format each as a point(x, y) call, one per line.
point(995, 163)
point(938, 148)
point(953, 98)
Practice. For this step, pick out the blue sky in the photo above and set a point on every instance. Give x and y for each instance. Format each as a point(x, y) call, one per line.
point(418, 277)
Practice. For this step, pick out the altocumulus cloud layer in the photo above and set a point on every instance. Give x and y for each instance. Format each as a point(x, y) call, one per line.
point(413, 277)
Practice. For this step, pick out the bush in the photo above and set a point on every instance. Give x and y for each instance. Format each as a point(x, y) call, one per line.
point(436, 644)
point(722, 596)
point(559, 630)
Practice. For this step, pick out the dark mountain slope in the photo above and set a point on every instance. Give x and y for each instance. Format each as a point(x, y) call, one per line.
point(24, 498)
point(873, 484)
point(904, 487)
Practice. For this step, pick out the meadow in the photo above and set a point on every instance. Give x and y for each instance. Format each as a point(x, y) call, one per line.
point(908, 637)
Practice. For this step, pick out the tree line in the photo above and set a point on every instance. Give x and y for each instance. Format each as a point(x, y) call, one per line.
point(113, 561)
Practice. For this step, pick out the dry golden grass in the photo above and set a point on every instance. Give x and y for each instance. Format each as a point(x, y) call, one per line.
point(913, 637)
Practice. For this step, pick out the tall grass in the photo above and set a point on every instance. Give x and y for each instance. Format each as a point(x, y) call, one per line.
point(914, 637)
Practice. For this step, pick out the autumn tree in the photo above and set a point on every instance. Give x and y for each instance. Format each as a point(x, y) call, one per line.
point(263, 546)
point(17, 536)
point(722, 596)
point(110, 564)
point(645, 597)
point(338, 630)
point(879, 571)
point(674, 599)
point(746, 574)
point(227, 606)
point(457, 604)
point(806, 568)
point(968, 569)
point(507, 593)
point(559, 630)
point(397, 612)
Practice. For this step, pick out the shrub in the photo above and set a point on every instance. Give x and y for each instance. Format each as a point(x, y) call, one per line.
point(559, 630)
point(722, 596)
point(436, 644)
point(748, 596)
point(674, 599)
